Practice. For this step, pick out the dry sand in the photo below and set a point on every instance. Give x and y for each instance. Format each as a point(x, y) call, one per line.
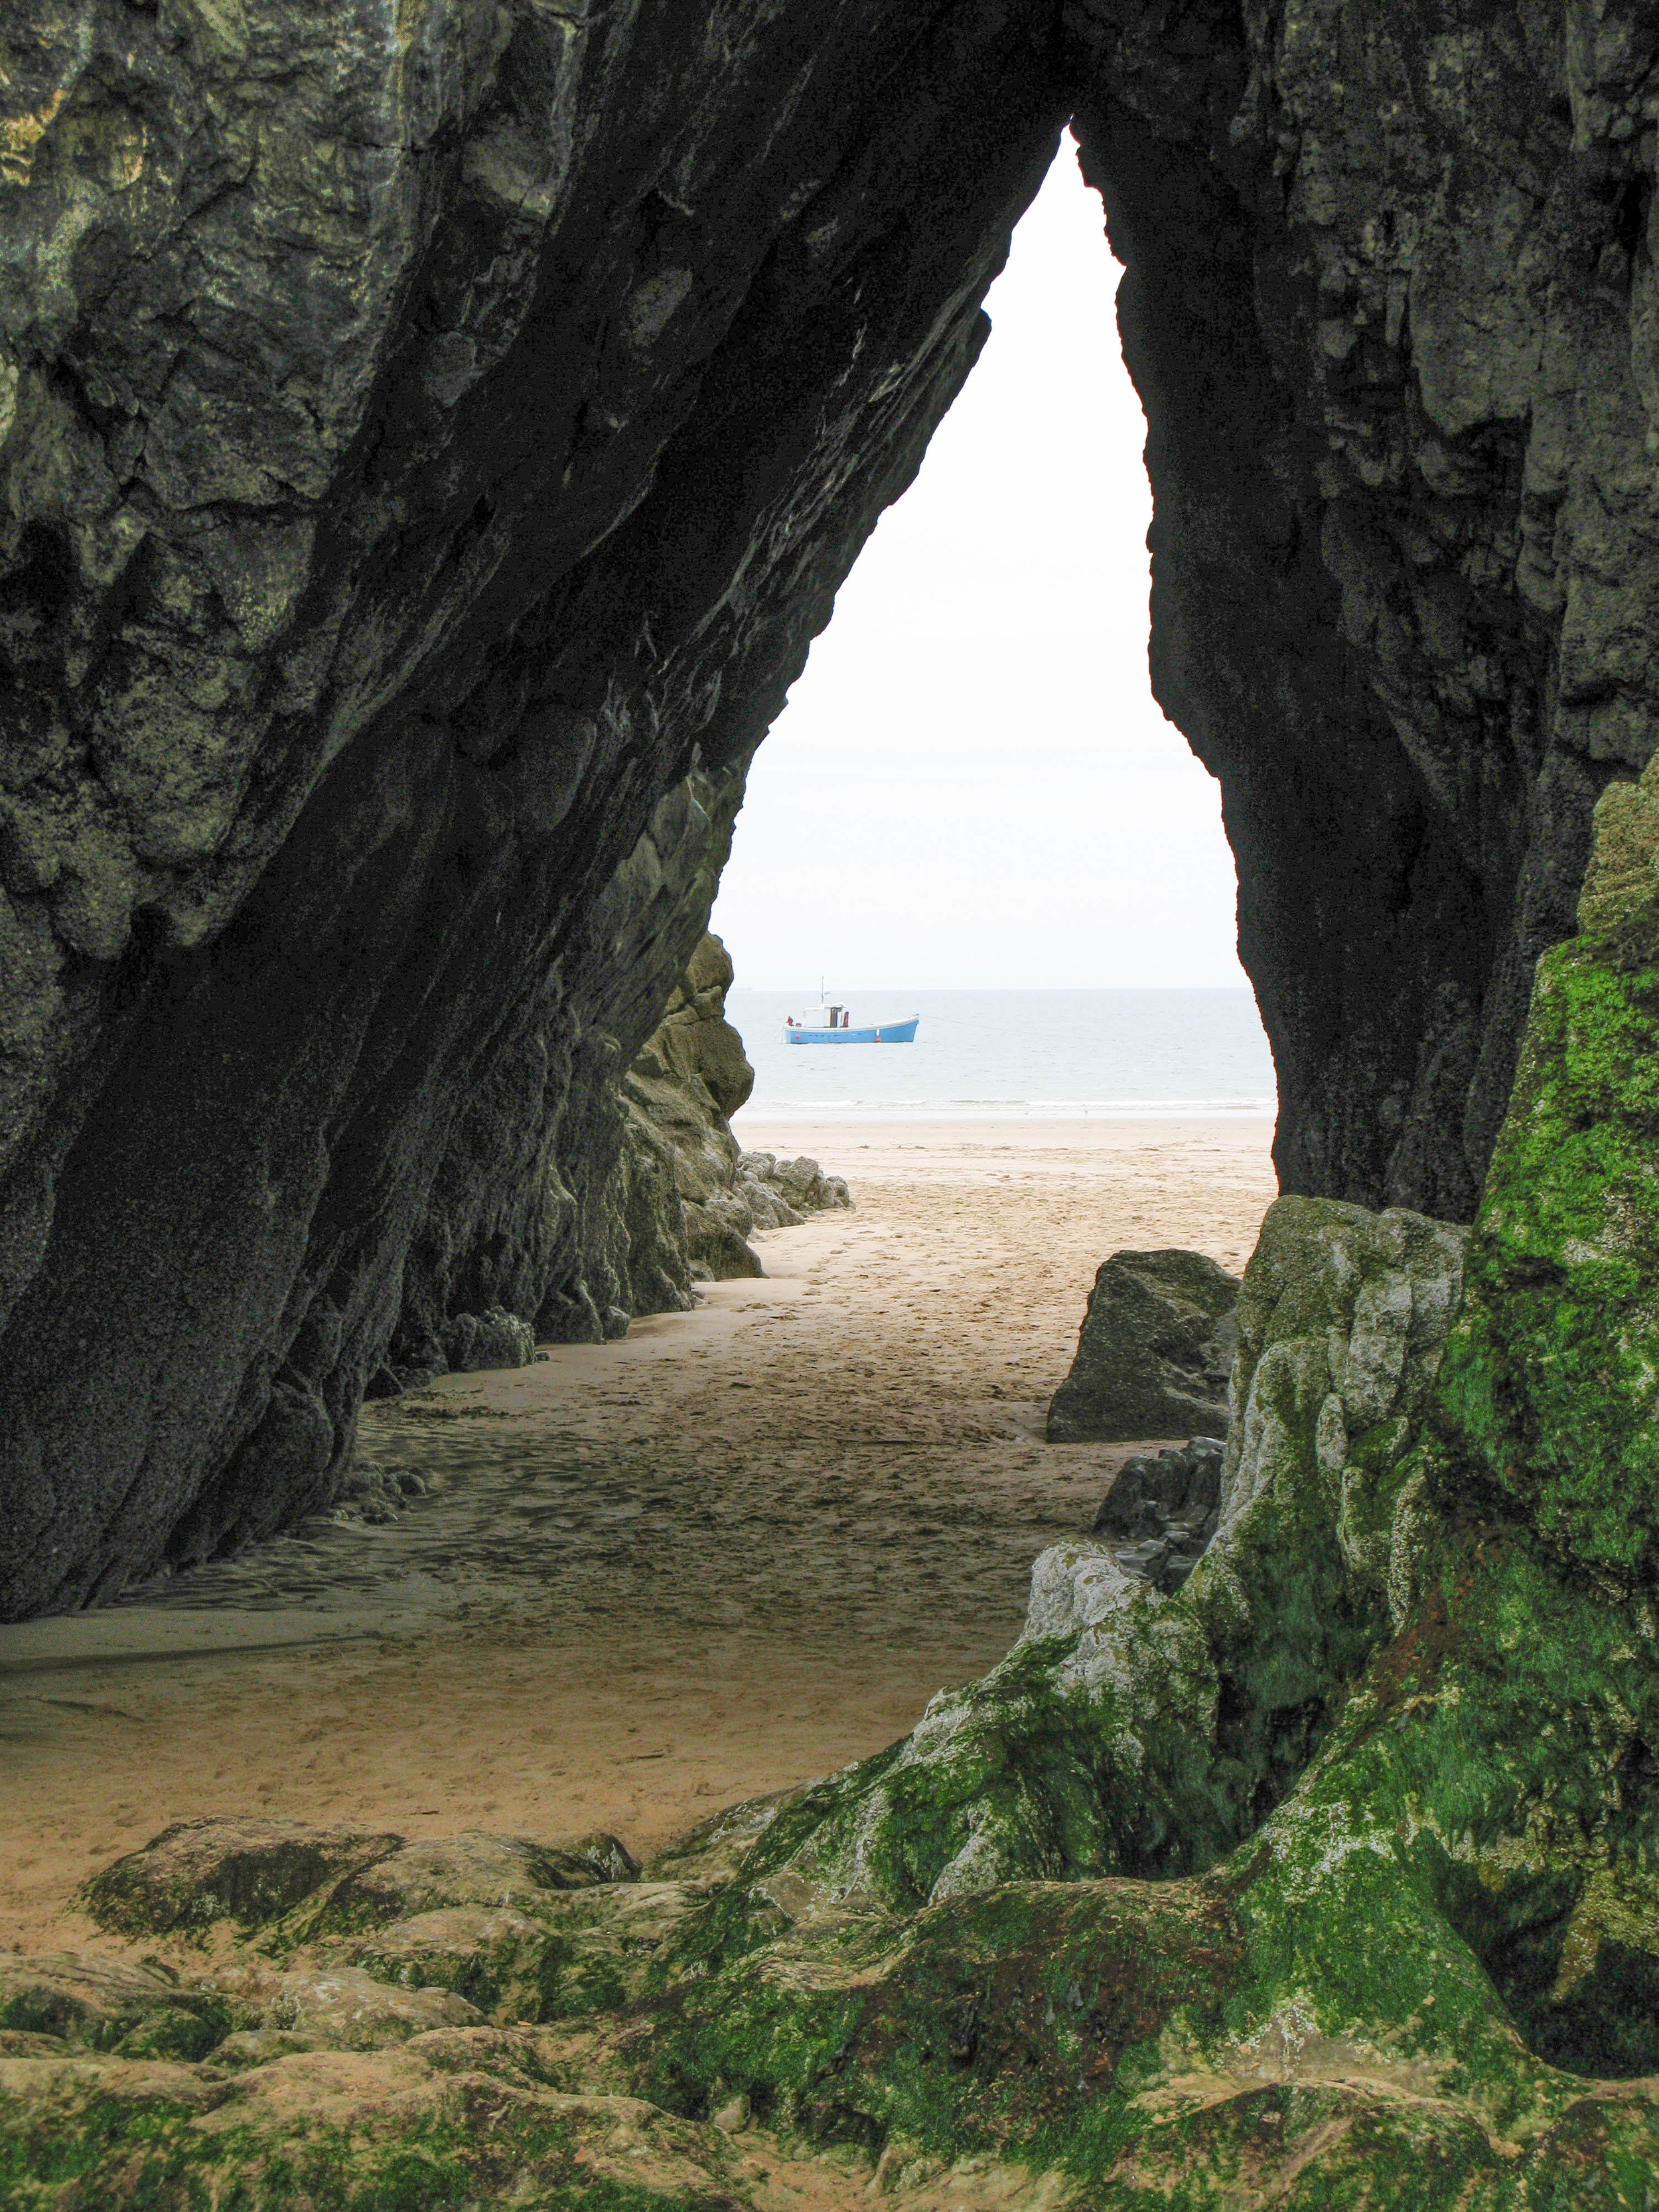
point(738, 1550)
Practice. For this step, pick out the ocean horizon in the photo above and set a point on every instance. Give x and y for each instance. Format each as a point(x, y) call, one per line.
point(1056, 1055)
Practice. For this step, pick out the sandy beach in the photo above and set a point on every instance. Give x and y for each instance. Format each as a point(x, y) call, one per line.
point(735, 1551)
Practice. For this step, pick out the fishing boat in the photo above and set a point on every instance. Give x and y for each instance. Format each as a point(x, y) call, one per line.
point(832, 1025)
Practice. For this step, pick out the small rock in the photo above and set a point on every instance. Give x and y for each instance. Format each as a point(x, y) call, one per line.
point(732, 2119)
point(375, 1494)
point(493, 1339)
point(789, 1188)
point(1160, 1514)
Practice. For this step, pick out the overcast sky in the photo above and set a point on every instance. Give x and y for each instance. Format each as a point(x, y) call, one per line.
point(971, 784)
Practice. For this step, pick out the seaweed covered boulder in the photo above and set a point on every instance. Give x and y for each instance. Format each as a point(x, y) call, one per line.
point(247, 1872)
point(454, 2116)
point(302, 1877)
point(1553, 1374)
point(1133, 1731)
point(1153, 1353)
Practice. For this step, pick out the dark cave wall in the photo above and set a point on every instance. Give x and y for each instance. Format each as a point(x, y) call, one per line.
point(1390, 304)
point(425, 457)
point(529, 1207)
point(486, 431)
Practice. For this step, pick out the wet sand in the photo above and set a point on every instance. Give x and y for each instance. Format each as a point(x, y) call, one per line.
point(736, 1551)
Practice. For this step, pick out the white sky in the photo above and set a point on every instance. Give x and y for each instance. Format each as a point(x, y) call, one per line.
point(971, 784)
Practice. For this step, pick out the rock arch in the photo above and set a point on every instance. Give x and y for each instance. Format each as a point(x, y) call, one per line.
point(427, 459)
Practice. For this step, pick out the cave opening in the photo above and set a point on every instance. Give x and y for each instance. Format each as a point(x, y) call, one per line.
point(972, 784)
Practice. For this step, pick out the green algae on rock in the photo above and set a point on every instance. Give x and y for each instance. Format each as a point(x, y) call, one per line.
point(248, 1872)
point(1130, 1732)
point(1552, 1379)
point(448, 2120)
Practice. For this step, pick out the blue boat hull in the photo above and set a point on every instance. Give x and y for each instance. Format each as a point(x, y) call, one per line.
point(902, 1032)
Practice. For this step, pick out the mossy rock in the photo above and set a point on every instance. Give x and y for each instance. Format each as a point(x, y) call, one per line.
point(1416, 1966)
point(586, 1952)
point(1139, 1733)
point(513, 1873)
point(1552, 1379)
point(83, 2001)
point(249, 1872)
point(293, 1881)
point(437, 2124)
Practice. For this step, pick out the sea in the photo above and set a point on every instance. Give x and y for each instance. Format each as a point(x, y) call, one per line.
point(1013, 1055)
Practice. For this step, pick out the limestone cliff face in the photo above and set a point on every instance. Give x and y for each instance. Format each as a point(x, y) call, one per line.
point(429, 443)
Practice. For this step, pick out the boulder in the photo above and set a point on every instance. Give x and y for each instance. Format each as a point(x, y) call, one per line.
point(578, 1951)
point(505, 1872)
point(453, 2116)
point(247, 1871)
point(786, 1191)
point(494, 1338)
point(336, 2008)
point(83, 2000)
point(315, 1878)
point(1154, 1352)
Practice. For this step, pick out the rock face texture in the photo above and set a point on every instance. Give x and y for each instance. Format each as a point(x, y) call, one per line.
point(428, 454)
point(1552, 1373)
point(425, 456)
point(1159, 1515)
point(560, 1196)
point(678, 1098)
point(610, 1211)
point(1154, 1352)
